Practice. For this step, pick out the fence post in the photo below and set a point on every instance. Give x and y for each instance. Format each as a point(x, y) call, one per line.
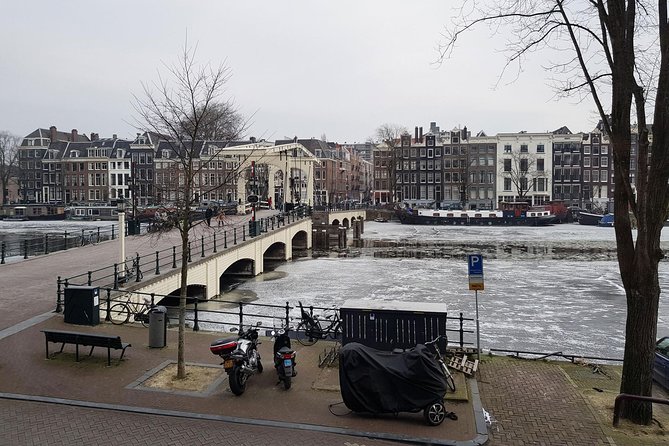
point(157, 263)
point(196, 324)
point(225, 239)
point(241, 316)
point(2, 255)
point(234, 235)
point(116, 276)
point(25, 249)
point(90, 273)
point(59, 305)
point(287, 315)
point(138, 272)
point(462, 332)
point(174, 256)
point(202, 244)
point(244, 233)
point(83, 238)
point(112, 232)
point(214, 243)
point(65, 248)
point(98, 239)
point(189, 258)
point(153, 299)
point(46, 243)
point(108, 315)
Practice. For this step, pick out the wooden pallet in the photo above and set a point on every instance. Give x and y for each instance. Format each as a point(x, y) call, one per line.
point(464, 365)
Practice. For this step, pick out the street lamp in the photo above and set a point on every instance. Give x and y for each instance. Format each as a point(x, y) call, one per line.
point(120, 207)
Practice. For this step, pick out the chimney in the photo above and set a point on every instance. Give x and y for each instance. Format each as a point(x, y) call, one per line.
point(114, 136)
point(74, 135)
point(253, 139)
point(94, 136)
point(415, 134)
point(420, 134)
point(464, 133)
point(52, 133)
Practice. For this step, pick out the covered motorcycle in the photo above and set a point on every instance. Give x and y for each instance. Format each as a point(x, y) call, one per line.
point(376, 381)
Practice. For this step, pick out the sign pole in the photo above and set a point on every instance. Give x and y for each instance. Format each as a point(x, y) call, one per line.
point(478, 332)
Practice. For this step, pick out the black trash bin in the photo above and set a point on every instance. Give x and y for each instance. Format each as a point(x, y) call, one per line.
point(158, 327)
point(134, 227)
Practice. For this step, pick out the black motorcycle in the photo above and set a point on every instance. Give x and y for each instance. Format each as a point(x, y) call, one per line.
point(284, 357)
point(241, 358)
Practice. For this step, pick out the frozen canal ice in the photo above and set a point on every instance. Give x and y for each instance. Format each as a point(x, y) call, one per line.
point(565, 298)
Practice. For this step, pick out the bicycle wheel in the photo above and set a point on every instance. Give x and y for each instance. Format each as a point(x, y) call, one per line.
point(119, 313)
point(311, 333)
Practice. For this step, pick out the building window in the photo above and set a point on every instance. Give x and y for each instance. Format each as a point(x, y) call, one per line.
point(540, 148)
point(605, 162)
point(524, 165)
point(507, 165)
point(507, 184)
point(523, 148)
point(540, 165)
point(507, 148)
point(586, 161)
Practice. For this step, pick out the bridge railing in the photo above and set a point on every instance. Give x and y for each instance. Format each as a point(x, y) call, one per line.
point(140, 267)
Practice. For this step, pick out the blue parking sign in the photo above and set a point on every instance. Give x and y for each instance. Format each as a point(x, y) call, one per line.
point(475, 262)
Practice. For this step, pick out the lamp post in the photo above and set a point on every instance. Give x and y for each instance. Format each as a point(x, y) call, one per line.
point(120, 207)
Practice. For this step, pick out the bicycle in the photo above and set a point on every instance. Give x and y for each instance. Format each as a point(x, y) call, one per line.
point(133, 272)
point(121, 311)
point(433, 345)
point(313, 331)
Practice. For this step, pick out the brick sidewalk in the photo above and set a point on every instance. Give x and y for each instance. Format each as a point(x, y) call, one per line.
point(533, 403)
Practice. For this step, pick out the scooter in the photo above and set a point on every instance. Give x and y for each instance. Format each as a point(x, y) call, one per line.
point(284, 357)
point(241, 358)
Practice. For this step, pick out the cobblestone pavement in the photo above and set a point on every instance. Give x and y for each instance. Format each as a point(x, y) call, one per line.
point(534, 403)
point(25, 423)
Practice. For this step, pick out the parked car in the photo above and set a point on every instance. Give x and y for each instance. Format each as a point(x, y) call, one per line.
point(661, 368)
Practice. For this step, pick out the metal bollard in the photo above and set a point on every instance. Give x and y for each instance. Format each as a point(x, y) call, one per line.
point(157, 263)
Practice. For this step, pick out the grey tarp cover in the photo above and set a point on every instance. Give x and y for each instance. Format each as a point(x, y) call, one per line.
point(376, 381)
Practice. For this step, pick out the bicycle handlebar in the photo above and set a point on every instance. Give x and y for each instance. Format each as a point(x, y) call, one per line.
point(437, 339)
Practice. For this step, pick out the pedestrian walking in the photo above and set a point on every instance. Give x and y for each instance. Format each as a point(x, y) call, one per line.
point(208, 214)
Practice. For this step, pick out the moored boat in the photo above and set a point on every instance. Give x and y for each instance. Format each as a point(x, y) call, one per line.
point(509, 214)
point(26, 212)
point(607, 221)
point(587, 218)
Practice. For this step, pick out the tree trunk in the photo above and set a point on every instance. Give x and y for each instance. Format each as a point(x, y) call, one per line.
point(181, 362)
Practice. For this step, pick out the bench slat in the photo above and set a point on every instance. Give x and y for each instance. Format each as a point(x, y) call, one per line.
point(85, 339)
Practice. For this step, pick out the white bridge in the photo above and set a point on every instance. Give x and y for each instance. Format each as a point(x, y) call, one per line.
point(207, 276)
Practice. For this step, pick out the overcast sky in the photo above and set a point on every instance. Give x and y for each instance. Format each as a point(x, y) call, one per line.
point(303, 68)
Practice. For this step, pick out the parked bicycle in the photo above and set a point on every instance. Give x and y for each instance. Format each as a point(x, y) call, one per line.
point(120, 312)
point(134, 271)
point(433, 346)
point(313, 330)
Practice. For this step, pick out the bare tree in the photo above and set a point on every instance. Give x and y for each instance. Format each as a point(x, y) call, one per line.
point(614, 52)
point(9, 155)
point(521, 169)
point(184, 108)
point(390, 135)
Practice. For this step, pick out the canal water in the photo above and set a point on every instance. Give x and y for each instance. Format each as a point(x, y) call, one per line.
point(547, 289)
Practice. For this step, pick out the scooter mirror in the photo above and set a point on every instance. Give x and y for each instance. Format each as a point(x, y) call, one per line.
point(258, 324)
point(233, 329)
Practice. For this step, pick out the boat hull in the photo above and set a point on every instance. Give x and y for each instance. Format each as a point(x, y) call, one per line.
point(586, 218)
point(409, 219)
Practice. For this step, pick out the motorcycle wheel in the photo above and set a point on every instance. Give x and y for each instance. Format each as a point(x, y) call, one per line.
point(310, 334)
point(237, 380)
point(287, 382)
point(435, 413)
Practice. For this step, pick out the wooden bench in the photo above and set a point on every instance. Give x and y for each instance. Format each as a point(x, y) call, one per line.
point(86, 339)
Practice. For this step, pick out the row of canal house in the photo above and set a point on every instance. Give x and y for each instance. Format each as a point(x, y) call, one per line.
point(443, 168)
point(456, 168)
point(66, 167)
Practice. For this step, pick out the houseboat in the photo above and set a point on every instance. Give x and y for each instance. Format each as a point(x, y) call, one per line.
point(92, 212)
point(508, 214)
point(25, 212)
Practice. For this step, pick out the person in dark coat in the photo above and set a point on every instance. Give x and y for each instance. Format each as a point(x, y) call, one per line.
point(208, 214)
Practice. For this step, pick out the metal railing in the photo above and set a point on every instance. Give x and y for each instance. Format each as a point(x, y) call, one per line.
point(544, 355)
point(56, 241)
point(618, 405)
point(241, 314)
